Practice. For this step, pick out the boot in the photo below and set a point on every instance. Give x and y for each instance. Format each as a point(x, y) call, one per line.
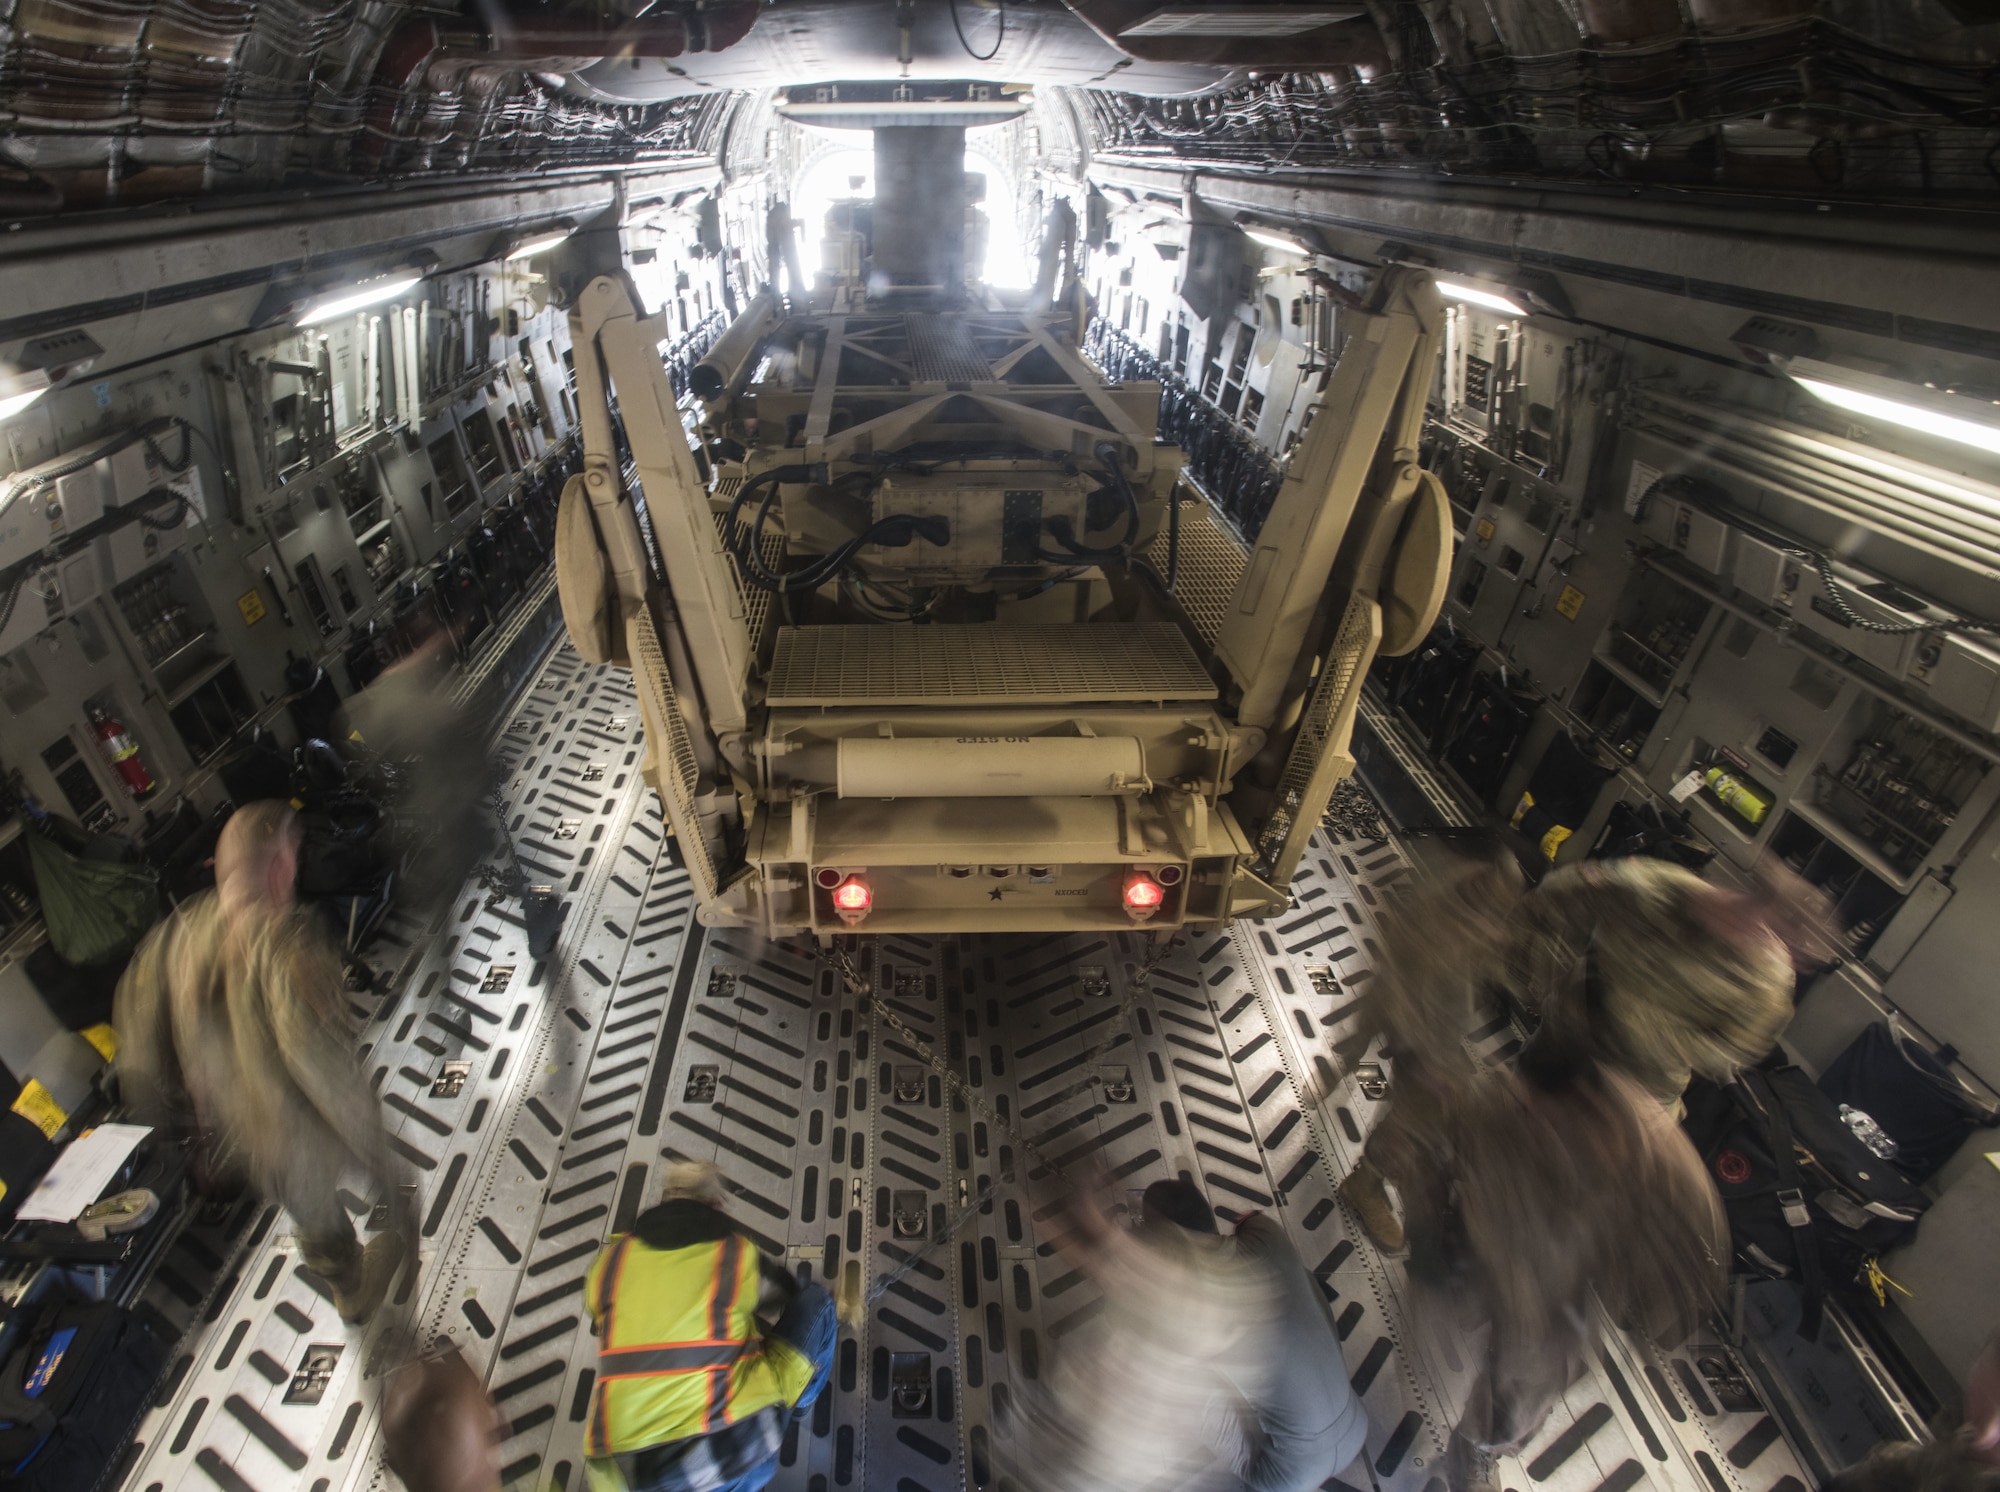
point(335, 1259)
point(360, 1292)
point(1363, 1190)
point(1470, 1467)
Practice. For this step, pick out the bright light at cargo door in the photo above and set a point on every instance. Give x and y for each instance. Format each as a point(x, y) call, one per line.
point(852, 896)
point(1011, 245)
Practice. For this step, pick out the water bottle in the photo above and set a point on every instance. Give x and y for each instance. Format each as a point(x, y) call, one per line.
point(1868, 1132)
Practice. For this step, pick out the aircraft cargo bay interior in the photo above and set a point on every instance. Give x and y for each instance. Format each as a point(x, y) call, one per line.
point(999, 746)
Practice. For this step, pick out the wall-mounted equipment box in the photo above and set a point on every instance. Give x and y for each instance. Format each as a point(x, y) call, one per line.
point(1869, 599)
point(1965, 679)
point(1703, 539)
point(1764, 572)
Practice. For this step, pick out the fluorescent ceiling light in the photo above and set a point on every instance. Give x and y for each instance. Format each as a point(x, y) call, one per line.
point(541, 245)
point(13, 404)
point(356, 297)
point(1276, 241)
point(1927, 411)
point(1239, 20)
point(1472, 295)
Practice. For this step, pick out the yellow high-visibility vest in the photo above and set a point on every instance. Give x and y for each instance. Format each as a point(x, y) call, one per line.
point(678, 1351)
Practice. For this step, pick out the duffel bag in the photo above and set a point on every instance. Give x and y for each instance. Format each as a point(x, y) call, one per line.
point(1806, 1200)
point(70, 1393)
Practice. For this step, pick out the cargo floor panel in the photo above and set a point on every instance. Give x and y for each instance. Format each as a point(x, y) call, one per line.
point(537, 1105)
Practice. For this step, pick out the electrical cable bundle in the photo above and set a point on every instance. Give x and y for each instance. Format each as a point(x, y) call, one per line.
point(142, 510)
point(892, 532)
point(896, 530)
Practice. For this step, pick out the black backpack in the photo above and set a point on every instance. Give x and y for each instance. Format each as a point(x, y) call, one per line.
point(1806, 1200)
point(71, 1392)
point(25, 1157)
point(1911, 1093)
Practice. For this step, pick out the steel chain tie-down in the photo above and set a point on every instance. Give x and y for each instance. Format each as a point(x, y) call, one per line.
point(858, 984)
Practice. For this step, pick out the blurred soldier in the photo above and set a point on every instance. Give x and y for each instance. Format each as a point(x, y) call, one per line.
point(407, 722)
point(232, 1020)
point(1527, 1190)
point(781, 246)
point(1685, 976)
point(690, 1396)
point(1679, 976)
point(1964, 1455)
point(1055, 265)
point(1442, 952)
point(440, 1429)
point(1216, 1365)
point(1564, 1183)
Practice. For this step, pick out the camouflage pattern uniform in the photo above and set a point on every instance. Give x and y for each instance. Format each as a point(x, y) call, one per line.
point(238, 1028)
point(1684, 976)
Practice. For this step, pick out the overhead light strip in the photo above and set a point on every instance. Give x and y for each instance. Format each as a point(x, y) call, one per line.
point(13, 404)
point(1278, 241)
point(356, 298)
point(1472, 295)
point(1928, 412)
point(541, 243)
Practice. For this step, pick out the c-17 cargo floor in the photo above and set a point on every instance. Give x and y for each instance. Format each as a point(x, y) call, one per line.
point(537, 1105)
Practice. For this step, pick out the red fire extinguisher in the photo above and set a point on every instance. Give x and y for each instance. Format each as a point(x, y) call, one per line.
point(122, 752)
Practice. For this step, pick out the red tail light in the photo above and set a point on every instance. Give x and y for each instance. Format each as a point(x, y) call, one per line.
point(852, 899)
point(1143, 895)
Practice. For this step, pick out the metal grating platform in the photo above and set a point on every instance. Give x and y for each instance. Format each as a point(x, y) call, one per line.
point(984, 664)
point(756, 600)
point(942, 350)
point(1212, 561)
point(648, 1037)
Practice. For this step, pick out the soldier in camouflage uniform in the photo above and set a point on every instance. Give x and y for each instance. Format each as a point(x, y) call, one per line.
point(1684, 977)
point(1679, 976)
point(1442, 950)
point(1530, 1188)
point(232, 1021)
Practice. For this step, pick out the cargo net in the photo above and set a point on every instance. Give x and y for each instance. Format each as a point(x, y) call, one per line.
point(666, 734)
point(1319, 756)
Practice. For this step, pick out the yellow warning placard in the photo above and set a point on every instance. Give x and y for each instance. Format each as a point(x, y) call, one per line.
point(1483, 528)
point(1569, 603)
point(39, 1107)
point(251, 604)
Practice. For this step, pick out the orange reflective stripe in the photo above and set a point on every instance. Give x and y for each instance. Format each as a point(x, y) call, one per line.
point(728, 1278)
point(607, 1285)
point(607, 1296)
point(721, 1304)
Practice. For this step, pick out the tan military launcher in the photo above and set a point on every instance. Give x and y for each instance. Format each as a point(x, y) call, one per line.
point(895, 587)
